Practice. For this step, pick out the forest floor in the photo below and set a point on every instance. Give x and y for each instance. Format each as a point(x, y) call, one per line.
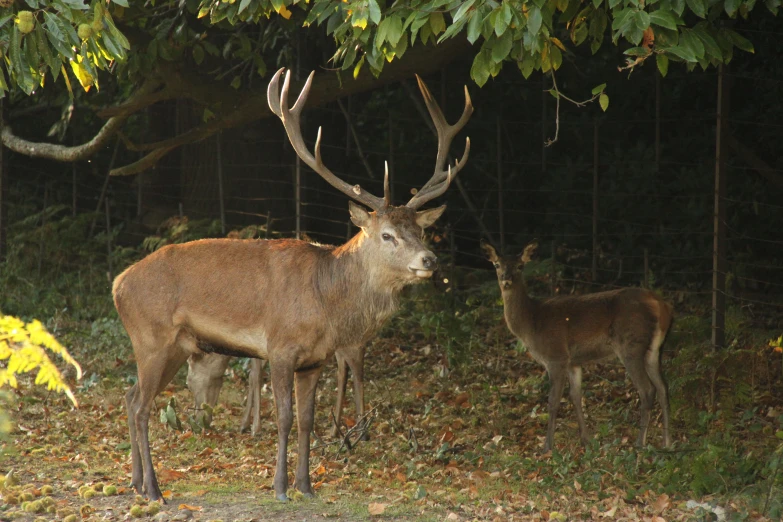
point(446, 443)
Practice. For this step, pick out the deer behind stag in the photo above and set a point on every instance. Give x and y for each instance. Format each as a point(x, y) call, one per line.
point(564, 333)
point(288, 301)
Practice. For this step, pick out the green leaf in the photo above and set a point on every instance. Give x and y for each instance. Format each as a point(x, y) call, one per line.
point(604, 101)
point(689, 41)
point(243, 5)
point(479, 71)
point(779, 434)
point(526, 66)
point(555, 57)
point(710, 45)
point(501, 47)
point(474, 28)
point(236, 83)
point(642, 20)
point(198, 54)
point(501, 24)
point(462, 11)
point(534, 20)
point(394, 33)
point(731, 7)
point(698, 7)
point(663, 64)
point(684, 53)
point(663, 18)
point(739, 40)
point(598, 88)
point(375, 12)
point(123, 3)
point(437, 23)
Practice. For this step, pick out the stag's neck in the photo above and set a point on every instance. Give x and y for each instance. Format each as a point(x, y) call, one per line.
point(354, 289)
point(519, 310)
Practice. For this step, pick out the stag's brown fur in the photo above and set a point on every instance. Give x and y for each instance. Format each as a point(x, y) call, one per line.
point(565, 333)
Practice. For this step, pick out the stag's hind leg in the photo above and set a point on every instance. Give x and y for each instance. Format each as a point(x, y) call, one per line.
point(557, 379)
point(652, 364)
point(156, 368)
point(137, 477)
point(253, 405)
point(342, 380)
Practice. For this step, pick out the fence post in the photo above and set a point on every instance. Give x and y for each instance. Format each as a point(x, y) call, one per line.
point(268, 224)
point(544, 98)
point(181, 211)
point(719, 227)
point(391, 157)
point(220, 183)
point(42, 244)
point(3, 190)
point(646, 281)
point(595, 202)
point(499, 161)
point(552, 271)
point(74, 194)
point(139, 195)
point(108, 241)
point(657, 121)
point(348, 230)
point(105, 186)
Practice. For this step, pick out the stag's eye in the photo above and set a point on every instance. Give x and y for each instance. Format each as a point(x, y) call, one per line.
point(386, 237)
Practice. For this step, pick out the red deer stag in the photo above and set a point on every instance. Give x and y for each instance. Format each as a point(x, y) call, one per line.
point(564, 333)
point(290, 302)
point(205, 379)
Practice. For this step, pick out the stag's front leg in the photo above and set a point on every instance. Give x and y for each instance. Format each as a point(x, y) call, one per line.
point(306, 383)
point(282, 373)
point(575, 392)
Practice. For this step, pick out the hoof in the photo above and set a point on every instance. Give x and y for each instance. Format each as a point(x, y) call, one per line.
point(282, 497)
point(308, 494)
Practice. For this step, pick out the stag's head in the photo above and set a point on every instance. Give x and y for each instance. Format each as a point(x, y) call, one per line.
point(391, 236)
point(509, 268)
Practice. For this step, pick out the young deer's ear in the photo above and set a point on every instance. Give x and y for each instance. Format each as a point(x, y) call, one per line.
point(359, 216)
point(527, 254)
point(489, 250)
point(426, 218)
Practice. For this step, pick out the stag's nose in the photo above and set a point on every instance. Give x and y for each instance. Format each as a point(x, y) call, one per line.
point(429, 262)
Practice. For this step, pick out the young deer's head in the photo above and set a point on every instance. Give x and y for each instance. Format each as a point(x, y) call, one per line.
point(391, 237)
point(509, 268)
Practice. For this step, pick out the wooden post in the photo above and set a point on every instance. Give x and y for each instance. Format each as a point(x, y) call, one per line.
point(268, 231)
point(348, 230)
point(108, 241)
point(221, 195)
point(499, 161)
point(349, 132)
point(646, 281)
point(596, 165)
point(3, 190)
point(42, 244)
point(453, 254)
point(181, 211)
point(74, 193)
point(719, 228)
point(105, 186)
point(391, 157)
point(657, 121)
point(552, 271)
point(139, 195)
point(544, 99)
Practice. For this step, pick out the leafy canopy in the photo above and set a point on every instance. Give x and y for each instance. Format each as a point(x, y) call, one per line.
point(54, 38)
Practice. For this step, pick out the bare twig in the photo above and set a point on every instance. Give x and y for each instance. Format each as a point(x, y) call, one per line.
point(558, 95)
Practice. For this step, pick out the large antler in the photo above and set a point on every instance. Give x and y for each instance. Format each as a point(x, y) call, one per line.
point(278, 102)
point(441, 179)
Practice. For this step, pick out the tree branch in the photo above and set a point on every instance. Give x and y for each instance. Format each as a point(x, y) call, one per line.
point(65, 153)
point(252, 106)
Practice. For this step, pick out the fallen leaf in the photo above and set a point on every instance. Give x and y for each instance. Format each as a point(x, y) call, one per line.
point(189, 507)
point(608, 514)
point(377, 508)
point(661, 503)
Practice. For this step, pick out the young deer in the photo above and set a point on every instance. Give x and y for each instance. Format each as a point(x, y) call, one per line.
point(564, 333)
point(205, 379)
point(290, 302)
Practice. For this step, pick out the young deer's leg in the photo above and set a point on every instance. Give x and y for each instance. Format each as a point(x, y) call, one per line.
point(356, 362)
point(635, 366)
point(137, 479)
point(253, 401)
point(342, 380)
point(652, 363)
point(557, 379)
point(155, 372)
point(575, 392)
point(282, 374)
point(306, 383)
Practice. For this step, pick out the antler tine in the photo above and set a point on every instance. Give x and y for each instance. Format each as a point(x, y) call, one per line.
point(441, 178)
point(386, 187)
point(278, 103)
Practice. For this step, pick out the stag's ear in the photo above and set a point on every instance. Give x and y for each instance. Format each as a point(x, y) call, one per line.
point(527, 254)
point(426, 218)
point(359, 216)
point(489, 250)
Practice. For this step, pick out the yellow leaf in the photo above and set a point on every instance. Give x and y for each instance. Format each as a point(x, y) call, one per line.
point(376, 508)
point(558, 43)
point(284, 12)
point(84, 77)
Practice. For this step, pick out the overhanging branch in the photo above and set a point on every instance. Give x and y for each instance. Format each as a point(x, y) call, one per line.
point(65, 153)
